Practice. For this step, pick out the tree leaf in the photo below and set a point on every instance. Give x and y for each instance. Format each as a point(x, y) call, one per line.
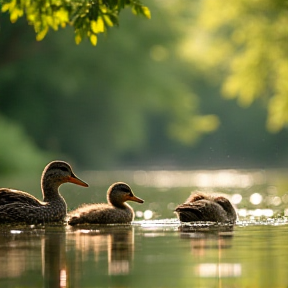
point(97, 26)
point(40, 36)
point(146, 12)
point(5, 7)
point(93, 39)
point(78, 38)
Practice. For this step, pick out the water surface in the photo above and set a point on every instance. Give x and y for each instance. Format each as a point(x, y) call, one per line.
point(156, 250)
point(146, 254)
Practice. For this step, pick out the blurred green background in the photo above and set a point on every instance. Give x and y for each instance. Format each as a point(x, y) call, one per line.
point(152, 92)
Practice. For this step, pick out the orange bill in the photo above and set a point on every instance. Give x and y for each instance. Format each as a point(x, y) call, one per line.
point(136, 199)
point(76, 180)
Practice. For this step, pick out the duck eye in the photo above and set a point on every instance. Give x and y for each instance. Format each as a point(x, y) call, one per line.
point(65, 169)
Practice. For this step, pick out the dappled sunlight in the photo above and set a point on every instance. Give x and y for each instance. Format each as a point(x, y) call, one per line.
point(148, 214)
point(256, 198)
point(148, 107)
point(236, 199)
point(257, 193)
point(202, 179)
point(245, 213)
point(248, 45)
point(158, 53)
point(159, 224)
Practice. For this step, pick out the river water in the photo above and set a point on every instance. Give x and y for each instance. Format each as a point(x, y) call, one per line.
point(156, 250)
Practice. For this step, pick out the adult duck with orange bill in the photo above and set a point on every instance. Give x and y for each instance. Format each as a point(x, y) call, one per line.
point(21, 207)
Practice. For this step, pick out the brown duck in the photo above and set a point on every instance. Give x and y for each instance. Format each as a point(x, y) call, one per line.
point(20, 207)
point(115, 211)
point(203, 207)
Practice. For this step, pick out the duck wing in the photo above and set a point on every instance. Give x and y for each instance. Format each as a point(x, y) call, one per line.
point(10, 197)
point(17, 207)
point(202, 210)
point(189, 212)
point(228, 207)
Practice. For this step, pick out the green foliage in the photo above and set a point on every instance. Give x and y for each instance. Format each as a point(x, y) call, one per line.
point(89, 18)
point(18, 153)
point(189, 125)
point(133, 100)
point(247, 41)
point(96, 107)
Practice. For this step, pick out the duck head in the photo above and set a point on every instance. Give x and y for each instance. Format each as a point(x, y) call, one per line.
point(120, 192)
point(59, 172)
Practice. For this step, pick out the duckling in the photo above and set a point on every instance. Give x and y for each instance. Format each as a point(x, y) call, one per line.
point(203, 207)
point(21, 207)
point(115, 211)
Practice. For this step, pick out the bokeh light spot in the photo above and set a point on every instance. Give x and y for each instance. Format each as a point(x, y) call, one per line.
point(256, 198)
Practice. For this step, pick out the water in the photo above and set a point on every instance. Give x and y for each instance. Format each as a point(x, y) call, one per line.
point(148, 254)
point(159, 252)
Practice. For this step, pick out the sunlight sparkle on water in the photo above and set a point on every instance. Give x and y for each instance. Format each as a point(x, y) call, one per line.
point(202, 178)
point(219, 269)
point(84, 231)
point(255, 213)
point(148, 214)
point(15, 231)
point(63, 278)
point(256, 198)
point(236, 198)
point(139, 214)
point(276, 201)
point(285, 198)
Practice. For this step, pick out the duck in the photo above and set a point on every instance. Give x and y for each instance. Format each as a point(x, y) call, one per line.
point(203, 207)
point(21, 207)
point(114, 212)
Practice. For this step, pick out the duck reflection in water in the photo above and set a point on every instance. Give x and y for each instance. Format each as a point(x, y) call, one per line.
point(221, 267)
point(22, 252)
point(118, 241)
point(205, 241)
point(120, 252)
point(57, 253)
point(54, 262)
point(14, 249)
point(208, 239)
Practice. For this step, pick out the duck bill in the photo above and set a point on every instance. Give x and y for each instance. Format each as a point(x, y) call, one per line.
point(76, 180)
point(136, 199)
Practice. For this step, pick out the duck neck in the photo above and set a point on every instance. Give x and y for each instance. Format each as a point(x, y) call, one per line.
point(118, 204)
point(50, 189)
